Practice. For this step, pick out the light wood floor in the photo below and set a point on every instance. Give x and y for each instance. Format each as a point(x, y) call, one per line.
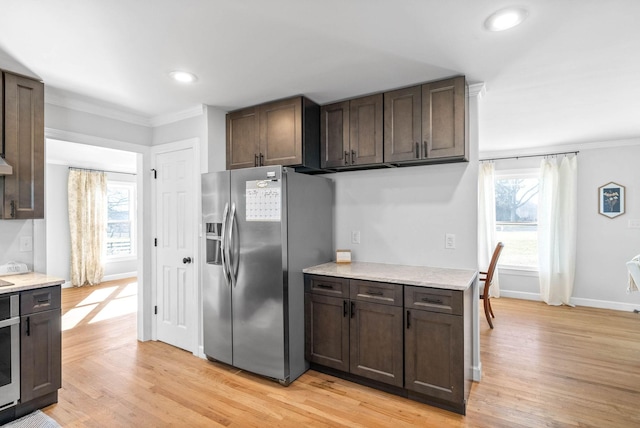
point(542, 366)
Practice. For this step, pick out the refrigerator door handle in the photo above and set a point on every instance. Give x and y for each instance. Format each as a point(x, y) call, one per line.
point(230, 244)
point(223, 247)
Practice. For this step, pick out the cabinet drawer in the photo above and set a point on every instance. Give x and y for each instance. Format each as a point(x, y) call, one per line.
point(378, 292)
point(42, 299)
point(326, 285)
point(433, 300)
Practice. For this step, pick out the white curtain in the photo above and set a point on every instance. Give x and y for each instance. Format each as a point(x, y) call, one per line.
point(557, 225)
point(87, 220)
point(487, 222)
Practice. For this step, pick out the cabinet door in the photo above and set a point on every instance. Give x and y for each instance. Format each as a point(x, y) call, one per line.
point(40, 345)
point(327, 331)
point(376, 342)
point(24, 147)
point(366, 130)
point(281, 132)
point(334, 135)
point(443, 118)
point(434, 354)
point(242, 139)
point(402, 124)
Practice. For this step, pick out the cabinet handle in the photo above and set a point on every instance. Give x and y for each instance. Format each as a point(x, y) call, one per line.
point(346, 157)
point(353, 157)
point(424, 146)
point(408, 320)
point(255, 160)
point(43, 300)
point(13, 209)
point(261, 159)
point(325, 286)
point(353, 309)
point(417, 150)
point(434, 301)
point(28, 326)
point(375, 293)
point(344, 308)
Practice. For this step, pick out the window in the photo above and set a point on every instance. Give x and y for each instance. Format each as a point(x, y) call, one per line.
point(120, 241)
point(517, 217)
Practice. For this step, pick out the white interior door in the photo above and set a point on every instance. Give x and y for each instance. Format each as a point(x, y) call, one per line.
point(176, 231)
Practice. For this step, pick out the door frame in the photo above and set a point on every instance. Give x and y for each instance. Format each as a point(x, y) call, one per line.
point(196, 316)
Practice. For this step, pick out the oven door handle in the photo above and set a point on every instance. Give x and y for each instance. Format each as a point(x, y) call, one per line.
point(9, 321)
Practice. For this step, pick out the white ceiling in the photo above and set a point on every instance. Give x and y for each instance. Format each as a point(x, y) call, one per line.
point(90, 157)
point(569, 74)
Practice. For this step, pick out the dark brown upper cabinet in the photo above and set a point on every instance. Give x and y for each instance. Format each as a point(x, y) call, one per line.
point(351, 133)
point(284, 132)
point(426, 123)
point(23, 147)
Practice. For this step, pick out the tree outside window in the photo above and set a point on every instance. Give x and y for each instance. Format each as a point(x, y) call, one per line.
point(120, 231)
point(517, 218)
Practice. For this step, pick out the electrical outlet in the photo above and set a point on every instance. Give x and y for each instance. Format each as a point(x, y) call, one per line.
point(355, 236)
point(26, 243)
point(450, 241)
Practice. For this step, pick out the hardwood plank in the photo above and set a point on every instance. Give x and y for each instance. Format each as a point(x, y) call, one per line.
point(542, 366)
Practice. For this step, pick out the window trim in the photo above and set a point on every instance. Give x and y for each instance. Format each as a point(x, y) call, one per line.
point(131, 186)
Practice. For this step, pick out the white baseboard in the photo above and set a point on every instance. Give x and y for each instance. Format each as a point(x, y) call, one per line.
point(578, 301)
point(476, 372)
point(201, 352)
point(115, 276)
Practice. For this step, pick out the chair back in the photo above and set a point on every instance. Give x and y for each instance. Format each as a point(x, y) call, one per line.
point(492, 267)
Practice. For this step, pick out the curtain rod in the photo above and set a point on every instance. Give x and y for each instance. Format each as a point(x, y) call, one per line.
point(101, 170)
point(529, 156)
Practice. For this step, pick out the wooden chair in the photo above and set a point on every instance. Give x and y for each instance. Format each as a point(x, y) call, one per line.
point(487, 280)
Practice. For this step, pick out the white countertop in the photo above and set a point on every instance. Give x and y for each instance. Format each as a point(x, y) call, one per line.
point(28, 281)
point(422, 276)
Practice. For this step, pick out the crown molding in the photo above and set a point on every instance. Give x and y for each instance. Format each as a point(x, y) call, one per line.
point(574, 147)
point(87, 107)
point(165, 119)
point(75, 137)
point(477, 89)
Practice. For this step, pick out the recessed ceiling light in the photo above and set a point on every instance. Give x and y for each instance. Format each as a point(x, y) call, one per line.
point(183, 76)
point(505, 18)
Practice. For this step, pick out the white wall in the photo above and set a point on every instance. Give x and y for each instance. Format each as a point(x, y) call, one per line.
point(10, 233)
point(403, 214)
point(604, 245)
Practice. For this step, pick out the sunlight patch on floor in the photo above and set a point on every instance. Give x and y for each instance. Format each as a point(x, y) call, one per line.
point(72, 317)
point(116, 308)
point(103, 304)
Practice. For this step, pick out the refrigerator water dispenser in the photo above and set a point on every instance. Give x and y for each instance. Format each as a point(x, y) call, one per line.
point(214, 243)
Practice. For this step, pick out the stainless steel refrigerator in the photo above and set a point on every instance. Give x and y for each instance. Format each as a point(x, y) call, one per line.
point(262, 227)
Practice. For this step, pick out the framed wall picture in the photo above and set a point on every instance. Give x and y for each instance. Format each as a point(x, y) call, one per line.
point(611, 197)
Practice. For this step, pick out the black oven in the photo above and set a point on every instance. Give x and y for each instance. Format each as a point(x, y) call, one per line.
point(9, 350)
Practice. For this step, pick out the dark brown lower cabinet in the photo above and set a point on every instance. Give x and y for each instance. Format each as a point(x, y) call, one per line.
point(434, 362)
point(408, 340)
point(40, 354)
point(359, 332)
point(40, 349)
point(375, 339)
point(327, 331)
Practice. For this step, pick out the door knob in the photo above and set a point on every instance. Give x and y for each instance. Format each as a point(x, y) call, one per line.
point(186, 260)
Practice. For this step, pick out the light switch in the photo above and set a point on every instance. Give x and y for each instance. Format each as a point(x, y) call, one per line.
point(450, 241)
point(634, 224)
